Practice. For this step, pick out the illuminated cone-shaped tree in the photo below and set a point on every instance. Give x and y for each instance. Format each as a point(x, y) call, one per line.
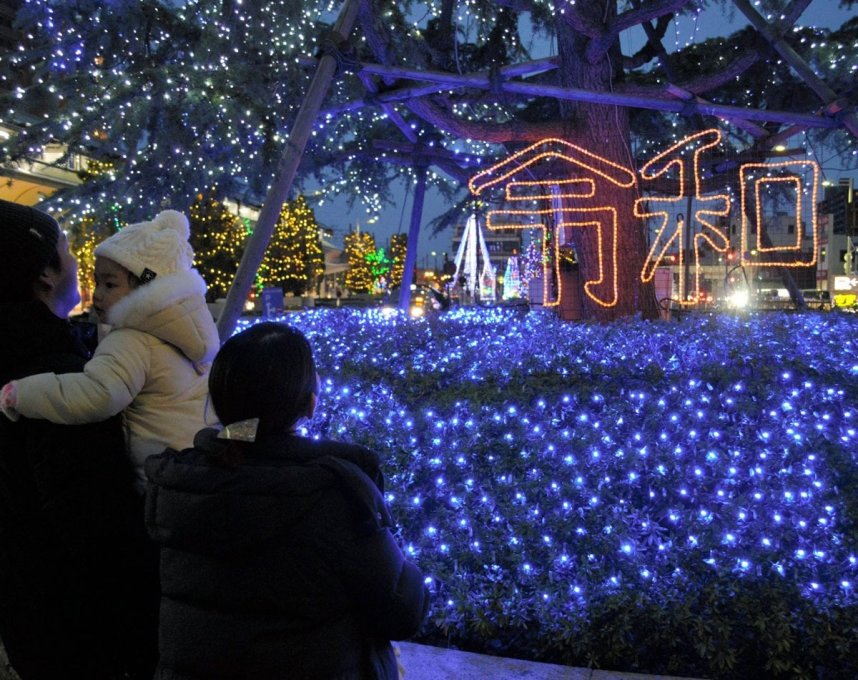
point(359, 244)
point(294, 259)
point(511, 279)
point(85, 231)
point(398, 244)
point(218, 238)
point(379, 264)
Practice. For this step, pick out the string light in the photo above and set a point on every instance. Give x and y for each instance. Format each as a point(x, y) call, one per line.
point(293, 260)
point(536, 469)
point(681, 159)
point(398, 249)
point(529, 190)
point(793, 253)
point(83, 238)
point(358, 246)
point(217, 237)
point(571, 153)
point(674, 159)
point(512, 287)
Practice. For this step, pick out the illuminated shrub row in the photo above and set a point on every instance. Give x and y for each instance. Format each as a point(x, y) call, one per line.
point(676, 498)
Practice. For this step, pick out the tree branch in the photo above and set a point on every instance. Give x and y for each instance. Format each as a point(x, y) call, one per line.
point(515, 5)
point(795, 11)
point(648, 11)
point(735, 68)
point(497, 133)
point(653, 47)
point(580, 23)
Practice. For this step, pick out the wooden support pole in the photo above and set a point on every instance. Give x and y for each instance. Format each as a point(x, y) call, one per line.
point(413, 237)
point(285, 176)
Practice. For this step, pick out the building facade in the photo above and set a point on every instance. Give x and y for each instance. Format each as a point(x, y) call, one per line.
point(501, 244)
point(838, 220)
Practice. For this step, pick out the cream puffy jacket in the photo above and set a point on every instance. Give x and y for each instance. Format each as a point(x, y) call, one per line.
point(153, 364)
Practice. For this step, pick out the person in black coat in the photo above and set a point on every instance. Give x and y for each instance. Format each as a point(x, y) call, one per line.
point(78, 575)
point(277, 556)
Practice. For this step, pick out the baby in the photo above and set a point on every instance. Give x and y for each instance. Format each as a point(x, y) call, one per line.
point(153, 363)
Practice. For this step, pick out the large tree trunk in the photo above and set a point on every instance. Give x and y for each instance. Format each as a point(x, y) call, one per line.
point(604, 130)
point(599, 129)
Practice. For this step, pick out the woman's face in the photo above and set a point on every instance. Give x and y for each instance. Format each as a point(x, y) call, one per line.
point(66, 292)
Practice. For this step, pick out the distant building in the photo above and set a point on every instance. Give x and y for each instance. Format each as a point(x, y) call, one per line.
point(30, 181)
point(838, 218)
point(502, 244)
point(839, 204)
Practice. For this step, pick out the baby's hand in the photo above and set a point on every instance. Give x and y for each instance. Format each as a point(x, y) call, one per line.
point(9, 400)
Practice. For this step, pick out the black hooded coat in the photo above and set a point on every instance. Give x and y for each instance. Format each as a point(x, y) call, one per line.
point(282, 566)
point(78, 575)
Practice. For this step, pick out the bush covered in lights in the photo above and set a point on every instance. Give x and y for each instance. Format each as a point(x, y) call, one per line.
point(673, 498)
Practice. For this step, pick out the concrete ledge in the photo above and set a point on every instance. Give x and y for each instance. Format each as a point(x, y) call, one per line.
point(422, 662)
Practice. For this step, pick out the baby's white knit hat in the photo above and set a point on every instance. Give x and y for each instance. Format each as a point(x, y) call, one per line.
point(152, 248)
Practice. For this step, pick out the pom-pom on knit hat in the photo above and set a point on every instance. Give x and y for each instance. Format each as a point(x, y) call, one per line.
point(28, 241)
point(150, 249)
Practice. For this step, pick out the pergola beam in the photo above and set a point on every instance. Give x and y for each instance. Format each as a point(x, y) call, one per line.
point(404, 93)
point(483, 81)
point(834, 105)
point(394, 115)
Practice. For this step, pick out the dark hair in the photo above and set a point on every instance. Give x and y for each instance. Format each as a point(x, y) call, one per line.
point(28, 239)
point(265, 372)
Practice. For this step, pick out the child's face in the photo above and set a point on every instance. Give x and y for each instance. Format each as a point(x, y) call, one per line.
point(112, 283)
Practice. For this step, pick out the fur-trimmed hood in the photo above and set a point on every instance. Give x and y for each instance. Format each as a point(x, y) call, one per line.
point(173, 309)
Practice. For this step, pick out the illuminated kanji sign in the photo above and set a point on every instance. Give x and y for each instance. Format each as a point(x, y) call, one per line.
point(590, 211)
point(587, 207)
point(676, 158)
point(760, 174)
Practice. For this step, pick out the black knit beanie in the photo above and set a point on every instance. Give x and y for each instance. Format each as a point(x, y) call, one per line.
point(28, 244)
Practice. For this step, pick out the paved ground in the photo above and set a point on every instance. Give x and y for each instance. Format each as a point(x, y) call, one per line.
point(433, 663)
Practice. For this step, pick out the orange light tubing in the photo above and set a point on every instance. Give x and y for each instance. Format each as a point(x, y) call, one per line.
point(800, 166)
point(672, 159)
point(579, 158)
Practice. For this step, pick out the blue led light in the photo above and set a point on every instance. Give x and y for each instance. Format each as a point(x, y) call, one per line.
point(731, 465)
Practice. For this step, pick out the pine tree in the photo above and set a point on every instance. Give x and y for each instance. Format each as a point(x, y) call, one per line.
point(218, 238)
point(398, 246)
point(294, 260)
point(83, 239)
point(86, 230)
point(185, 96)
point(359, 277)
